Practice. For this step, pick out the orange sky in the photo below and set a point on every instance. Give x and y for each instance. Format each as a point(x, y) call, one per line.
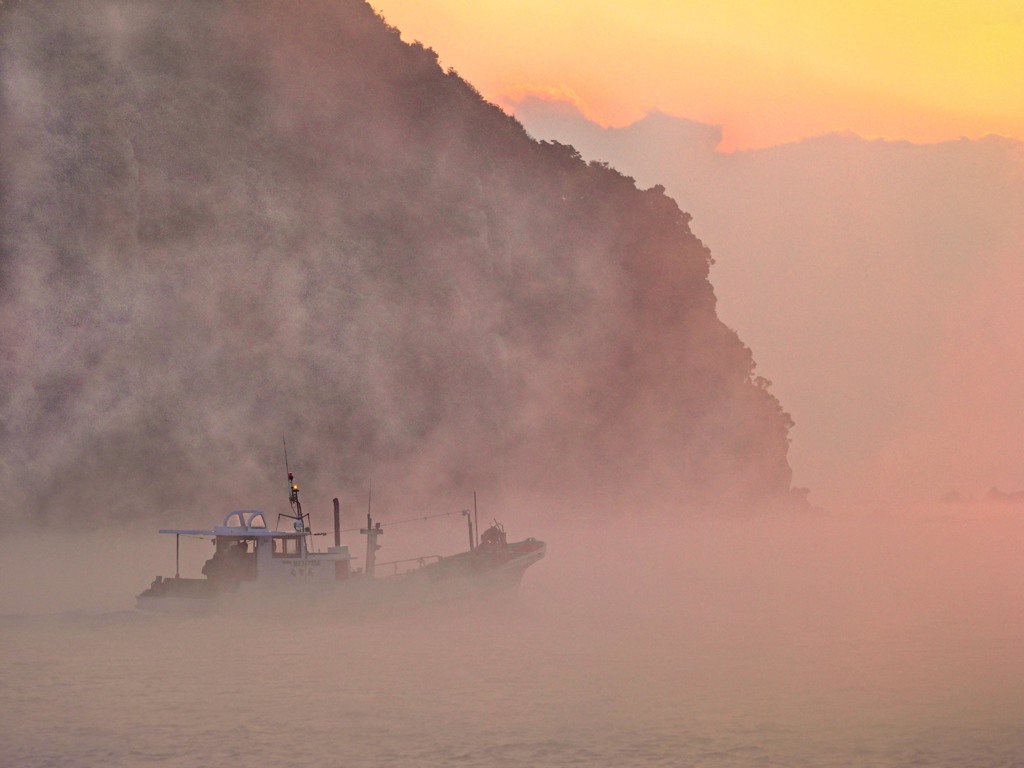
point(768, 72)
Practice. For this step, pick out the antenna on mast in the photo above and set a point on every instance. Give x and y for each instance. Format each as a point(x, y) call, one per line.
point(293, 496)
point(293, 487)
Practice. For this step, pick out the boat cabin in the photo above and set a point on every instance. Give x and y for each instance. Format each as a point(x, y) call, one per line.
point(245, 549)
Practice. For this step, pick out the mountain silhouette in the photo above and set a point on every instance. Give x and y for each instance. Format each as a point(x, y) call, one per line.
point(227, 223)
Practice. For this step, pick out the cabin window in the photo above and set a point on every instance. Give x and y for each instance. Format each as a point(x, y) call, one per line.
point(286, 547)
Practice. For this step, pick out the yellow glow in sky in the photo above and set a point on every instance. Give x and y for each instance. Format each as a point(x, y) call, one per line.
point(768, 72)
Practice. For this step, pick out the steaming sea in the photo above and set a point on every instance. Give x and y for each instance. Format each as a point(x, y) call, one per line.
point(739, 644)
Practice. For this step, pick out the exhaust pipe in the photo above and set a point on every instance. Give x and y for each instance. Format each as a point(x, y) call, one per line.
point(337, 524)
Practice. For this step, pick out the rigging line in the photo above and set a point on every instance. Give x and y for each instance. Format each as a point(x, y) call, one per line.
point(407, 520)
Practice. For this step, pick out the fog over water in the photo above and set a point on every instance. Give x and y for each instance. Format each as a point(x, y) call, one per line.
point(881, 637)
point(224, 223)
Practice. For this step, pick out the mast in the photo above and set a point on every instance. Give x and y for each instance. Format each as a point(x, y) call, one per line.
point(469, 520)
point(301, 519)
point(371, 532)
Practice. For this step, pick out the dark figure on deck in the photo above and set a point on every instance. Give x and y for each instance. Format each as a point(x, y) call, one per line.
point(231, 563)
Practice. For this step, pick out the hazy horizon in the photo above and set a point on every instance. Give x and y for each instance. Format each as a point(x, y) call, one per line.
point(873, 279)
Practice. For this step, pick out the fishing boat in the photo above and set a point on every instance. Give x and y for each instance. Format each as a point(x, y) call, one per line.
point(255, 565)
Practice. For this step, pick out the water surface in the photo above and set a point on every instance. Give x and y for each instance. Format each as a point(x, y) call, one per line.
point(746, 643)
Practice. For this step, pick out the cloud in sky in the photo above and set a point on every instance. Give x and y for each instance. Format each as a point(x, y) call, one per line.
point(876, 282)
point(769, 73)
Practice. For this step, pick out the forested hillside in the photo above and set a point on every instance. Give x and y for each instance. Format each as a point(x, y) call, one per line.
point(225, 223)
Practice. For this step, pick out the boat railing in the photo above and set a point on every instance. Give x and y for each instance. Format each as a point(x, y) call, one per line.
point(420, 562)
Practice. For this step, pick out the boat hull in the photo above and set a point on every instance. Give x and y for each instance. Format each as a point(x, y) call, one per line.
point(480, 576)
